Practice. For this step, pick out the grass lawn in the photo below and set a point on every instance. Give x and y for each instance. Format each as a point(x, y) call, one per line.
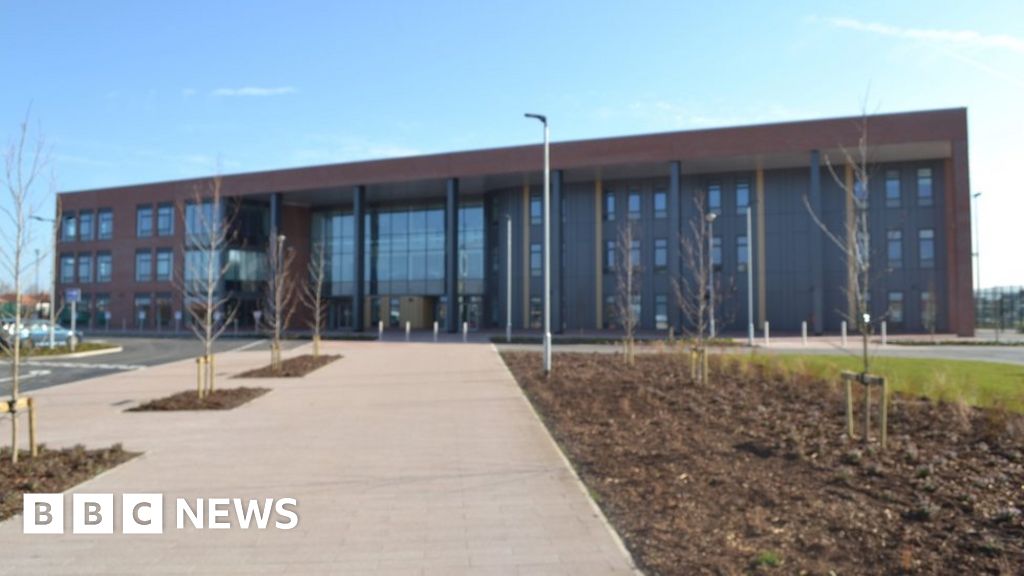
point(989, 384)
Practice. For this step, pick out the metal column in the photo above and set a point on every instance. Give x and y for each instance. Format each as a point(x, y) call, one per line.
point(358, 221)
point(451, 247)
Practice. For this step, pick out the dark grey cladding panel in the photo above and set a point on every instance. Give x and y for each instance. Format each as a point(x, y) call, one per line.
point(578, 274)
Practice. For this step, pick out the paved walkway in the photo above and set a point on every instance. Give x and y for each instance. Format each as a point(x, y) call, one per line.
point(405, 459)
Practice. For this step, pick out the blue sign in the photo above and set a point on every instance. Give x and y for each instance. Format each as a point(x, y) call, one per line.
point(73, 295)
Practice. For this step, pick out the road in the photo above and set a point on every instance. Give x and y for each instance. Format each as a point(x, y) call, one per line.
point(138, 353)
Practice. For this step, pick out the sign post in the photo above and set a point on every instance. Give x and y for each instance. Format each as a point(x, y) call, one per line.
point(73, 295)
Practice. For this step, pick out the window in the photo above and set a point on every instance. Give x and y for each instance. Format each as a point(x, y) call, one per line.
point(742, 197)
point(714, 198)
point(67, 268)
point(926, 247)
point(892, 188)
point(143, 266)
point(609, 317)
point(634, 254)
point(861, 194)
point(609, 206)
point(142, 313)
point(716, 252)
point(85, 226)
point(85, 268)
point(144, 221)
point(928, 312)
point(164, 264)
point(101, 303)
point(896, 307)
point(536, 210)
point(165, 220)
point(661, 311)
point(924, 187)
point(105, 225)
point(104, 266)
point(742, 253)
point(660, 254)
point(636, 308)
point(660, 204)
point(634, 205)
point(894, 248)
point(199, 218)
point(536, 260)
point(68, 229)
point(536, 312)
point(609, 255)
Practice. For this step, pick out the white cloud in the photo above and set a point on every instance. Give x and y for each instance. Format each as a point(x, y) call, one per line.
point(255, 91)
point(966, 38)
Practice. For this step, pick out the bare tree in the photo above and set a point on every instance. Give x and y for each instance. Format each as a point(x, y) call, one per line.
point(692, 287)
point(853, 238)
point(627, 284)
point(312, 293)
point(208, 230)
point(58, 218)
point(24, 162)
point(279, 300)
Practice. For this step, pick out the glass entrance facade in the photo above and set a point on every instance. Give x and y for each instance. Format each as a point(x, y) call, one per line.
point(404, 255)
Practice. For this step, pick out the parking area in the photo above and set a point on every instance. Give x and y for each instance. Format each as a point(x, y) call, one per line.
point(138, 353)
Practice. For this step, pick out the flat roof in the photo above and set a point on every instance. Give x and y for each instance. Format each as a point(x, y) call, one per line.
point(899, 136)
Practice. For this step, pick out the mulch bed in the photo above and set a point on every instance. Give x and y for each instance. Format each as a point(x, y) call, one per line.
point(753, 473)
point(219, 399)
point(52, 471)
point(292, 367)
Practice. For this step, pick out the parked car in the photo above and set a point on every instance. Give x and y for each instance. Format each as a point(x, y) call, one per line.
point(37, 333)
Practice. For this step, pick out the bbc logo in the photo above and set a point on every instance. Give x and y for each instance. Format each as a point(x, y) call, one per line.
point(93, 514)
point(144, 513)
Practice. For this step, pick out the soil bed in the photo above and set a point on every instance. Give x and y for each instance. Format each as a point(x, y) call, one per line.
point(292, 368)
point(51, 471)
point(219, 399)
point(753, 473)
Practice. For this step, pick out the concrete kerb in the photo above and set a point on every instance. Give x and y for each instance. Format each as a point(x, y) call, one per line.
point(568, 464)
point(100, 352)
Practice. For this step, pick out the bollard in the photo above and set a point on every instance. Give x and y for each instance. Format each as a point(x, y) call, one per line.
point(380, 330)
point(803, 332)
point(406, 330)
point(435, 330)
point(767, 334)
point(465, 331)
point(842, 328)
point(885, 335)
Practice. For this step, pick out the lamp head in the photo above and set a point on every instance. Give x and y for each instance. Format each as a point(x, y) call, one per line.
point(540, 117)
point(710, 217)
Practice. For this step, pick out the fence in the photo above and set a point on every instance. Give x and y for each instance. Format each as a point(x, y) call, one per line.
point(1000, 308)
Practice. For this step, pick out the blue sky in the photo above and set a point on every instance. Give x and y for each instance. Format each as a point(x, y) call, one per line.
point(129, 92)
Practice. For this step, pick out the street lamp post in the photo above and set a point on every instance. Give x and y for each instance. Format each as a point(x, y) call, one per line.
point(711, 271)
point(547, 243)
point(750, 281)
point(977, 244)
point(508, 278)
point(53, 280)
